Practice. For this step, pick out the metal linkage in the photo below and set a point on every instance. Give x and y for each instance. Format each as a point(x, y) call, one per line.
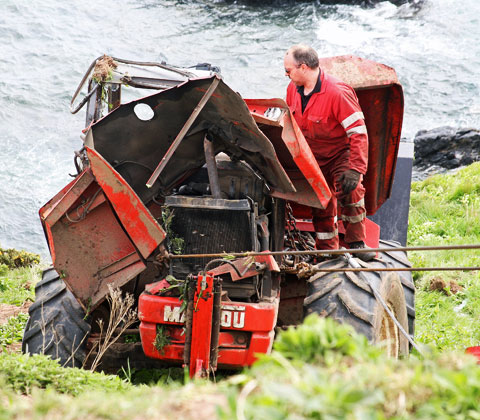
point(329, 252)
point(340, 252)
point(333, 270)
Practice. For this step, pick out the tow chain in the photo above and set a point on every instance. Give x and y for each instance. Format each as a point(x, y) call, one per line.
point(297, 241)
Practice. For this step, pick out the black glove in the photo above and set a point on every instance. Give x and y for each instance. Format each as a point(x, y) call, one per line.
point(349, 180)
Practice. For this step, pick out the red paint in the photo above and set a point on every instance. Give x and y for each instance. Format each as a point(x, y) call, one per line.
point(140, 225)
point(237, 346)
point(474, 351)
point(86, 241)
point(293, 153)
point(201, 326)
point(245, 267)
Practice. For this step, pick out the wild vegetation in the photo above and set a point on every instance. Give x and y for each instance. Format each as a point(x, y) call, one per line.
point(445, 210)
point(318, 371)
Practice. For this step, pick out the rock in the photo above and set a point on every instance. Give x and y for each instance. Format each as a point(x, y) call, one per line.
point(445, 148)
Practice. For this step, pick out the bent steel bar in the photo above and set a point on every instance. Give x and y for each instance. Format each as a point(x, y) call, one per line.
point(183, 131)
point(331, 251)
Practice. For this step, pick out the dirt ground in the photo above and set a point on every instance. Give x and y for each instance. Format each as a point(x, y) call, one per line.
point(6, 311)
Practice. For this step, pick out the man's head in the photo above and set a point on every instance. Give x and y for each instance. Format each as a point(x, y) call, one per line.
point(301, 64)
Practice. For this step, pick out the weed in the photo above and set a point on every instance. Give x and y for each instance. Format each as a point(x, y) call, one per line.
point(444, 211)
point(17, 285)
point(175, 244)
point(12, 330)
point(121, 317)
point(162, 338)
point(167, 376)
point(23, 373)
point(12, 258)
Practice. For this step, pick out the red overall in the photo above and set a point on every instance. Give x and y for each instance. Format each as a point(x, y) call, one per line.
point(334, 127)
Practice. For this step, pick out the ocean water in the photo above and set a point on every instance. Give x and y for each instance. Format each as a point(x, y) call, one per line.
point(47, 45)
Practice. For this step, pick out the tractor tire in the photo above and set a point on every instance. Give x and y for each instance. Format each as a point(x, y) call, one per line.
point(347, 298)
point(56, 326)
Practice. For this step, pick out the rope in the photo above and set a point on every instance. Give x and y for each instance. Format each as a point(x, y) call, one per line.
point(378, 296)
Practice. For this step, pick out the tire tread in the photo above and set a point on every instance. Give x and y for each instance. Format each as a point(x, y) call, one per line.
point(56, 326)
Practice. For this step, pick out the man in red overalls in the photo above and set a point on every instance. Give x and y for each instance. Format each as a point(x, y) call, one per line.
point(329, 115)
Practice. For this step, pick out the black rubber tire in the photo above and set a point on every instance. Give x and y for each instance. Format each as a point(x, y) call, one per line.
point(347, 298)
point(56, 326)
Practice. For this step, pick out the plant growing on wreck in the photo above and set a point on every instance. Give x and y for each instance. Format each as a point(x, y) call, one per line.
point(175, 244)
point(122, 316)
point(162, 339)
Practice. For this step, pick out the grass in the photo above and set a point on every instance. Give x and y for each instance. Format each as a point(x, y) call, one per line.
point(353, 381)
point(18, 285)
point(445, 210)
point(12, 330)
point(24, 373)
point(319, 371)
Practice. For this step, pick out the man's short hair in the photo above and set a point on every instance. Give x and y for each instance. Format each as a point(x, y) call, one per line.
point(303, 54)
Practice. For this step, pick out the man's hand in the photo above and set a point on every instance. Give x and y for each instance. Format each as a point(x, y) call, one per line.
point(349, 180)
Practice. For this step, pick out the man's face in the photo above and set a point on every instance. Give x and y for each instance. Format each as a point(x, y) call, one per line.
point(293, 70)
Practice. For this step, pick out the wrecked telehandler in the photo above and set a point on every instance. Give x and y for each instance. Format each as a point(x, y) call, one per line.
point(171, 184)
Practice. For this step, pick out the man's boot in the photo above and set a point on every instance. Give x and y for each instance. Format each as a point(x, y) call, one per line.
point(365, 255)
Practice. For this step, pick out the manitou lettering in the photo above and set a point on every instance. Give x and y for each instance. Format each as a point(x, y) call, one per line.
point(173, 315)
point(233, 316)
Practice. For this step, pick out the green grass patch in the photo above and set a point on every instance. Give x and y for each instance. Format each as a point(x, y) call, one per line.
point(18, 285)
point(445, 210)
point(320, 370)
point(352, 381)
point(23, 373)
point(12, 330)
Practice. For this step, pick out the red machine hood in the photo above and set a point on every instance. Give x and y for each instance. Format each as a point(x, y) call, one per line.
point(135, 147)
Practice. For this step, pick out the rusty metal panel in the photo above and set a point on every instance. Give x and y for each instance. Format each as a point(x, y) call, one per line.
point(383, 110)
point(381, 98)
point(359, 73)
point(89, 247)
point(140, 225)
point(61, 202)
point(140, 145)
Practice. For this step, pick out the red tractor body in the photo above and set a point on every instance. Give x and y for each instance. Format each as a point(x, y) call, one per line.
point(145, 182)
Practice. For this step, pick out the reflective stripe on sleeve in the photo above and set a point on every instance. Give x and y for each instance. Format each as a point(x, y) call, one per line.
point(326, 235)
point(361, 129)
point(360, 203)
point(351, 119)
point(354, 219)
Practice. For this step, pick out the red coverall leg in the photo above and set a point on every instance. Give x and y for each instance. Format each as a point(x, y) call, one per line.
point(352, 209)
